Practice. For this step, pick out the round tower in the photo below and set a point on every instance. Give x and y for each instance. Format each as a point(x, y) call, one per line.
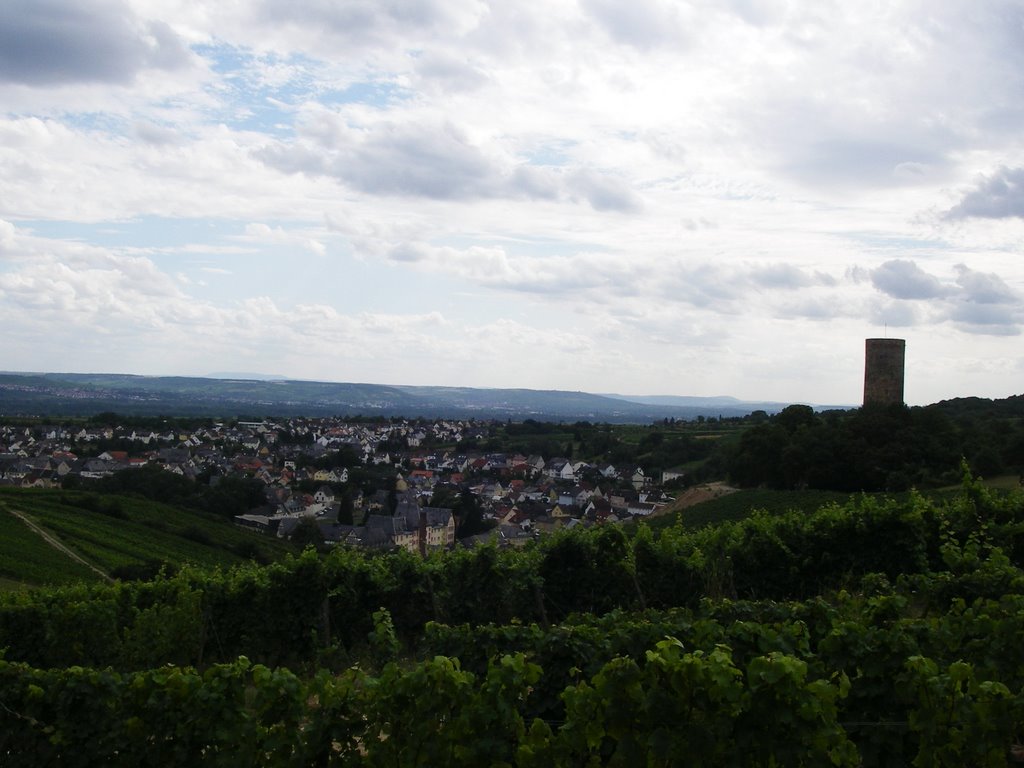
point(884, 361)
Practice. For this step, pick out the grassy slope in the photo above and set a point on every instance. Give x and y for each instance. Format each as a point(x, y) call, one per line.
point(739, 505)
point(117, 532)
point(26, 559)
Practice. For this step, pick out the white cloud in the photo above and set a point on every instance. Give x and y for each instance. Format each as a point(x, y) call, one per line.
point(7, 233)
point(982, 288)
point(643, 24)
point(435, 160)
point(994, 197)
point(903, 279)
point(895, 314)
point(48, 42)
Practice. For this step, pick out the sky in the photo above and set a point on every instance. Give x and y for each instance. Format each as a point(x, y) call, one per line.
point(718, 197)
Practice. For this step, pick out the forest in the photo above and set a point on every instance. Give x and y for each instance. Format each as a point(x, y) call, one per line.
point(875, 448)
point(881, 631)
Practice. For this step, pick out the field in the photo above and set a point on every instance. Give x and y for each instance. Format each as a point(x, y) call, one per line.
point(120, 536)
point(25, 558)
point(738, 505)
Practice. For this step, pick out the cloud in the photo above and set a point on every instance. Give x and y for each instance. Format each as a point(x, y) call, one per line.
point(986, 319)
point(897, 314)
point(844, 161)
point(624, 282)
point(975, 302)
point(706, 286)
point(437, 161)
point(983, 288)
point(579, 166)
point(490, 267)
point(603, 192)
point(785, 276)
point(815, 308)
point(51, 42)
point(107, 294)
point(84, 308)
point(985, 304)
point(984, 314)
point(903, 279)
point(842, 99)
point(535, 183)
point(362, 23)
point(999, 196)
point(7, 234)
point(642, 24)
point(154, 134)
point(449, 72)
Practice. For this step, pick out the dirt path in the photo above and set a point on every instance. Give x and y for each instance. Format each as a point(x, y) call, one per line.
point(696, 495)
point(55, 543)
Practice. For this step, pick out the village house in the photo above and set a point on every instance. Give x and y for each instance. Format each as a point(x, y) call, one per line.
point(515, 490)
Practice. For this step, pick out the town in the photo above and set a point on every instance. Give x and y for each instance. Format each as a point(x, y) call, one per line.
point(422, 485)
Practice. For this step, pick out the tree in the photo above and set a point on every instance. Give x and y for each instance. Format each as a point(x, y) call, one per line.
point(347, 509)
point(307, 534)
point(470, 515)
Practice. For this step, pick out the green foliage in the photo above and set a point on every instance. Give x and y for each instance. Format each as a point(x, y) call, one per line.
point(875, 448)
point(225, 496)
point(732, 507)
point(877, 632)
point(383, 640)
point(289, 612)
point(469, 514)
point(960, 719)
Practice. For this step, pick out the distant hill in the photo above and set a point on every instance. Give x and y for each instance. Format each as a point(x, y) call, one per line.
point(246, 376)
point(980, 409)
point(82, 394)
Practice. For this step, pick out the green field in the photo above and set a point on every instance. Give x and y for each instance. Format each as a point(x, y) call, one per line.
point(740, 504)
point(25, 558)
point(117, 535)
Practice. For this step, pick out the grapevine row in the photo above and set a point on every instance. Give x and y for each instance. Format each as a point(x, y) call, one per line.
point(673, 707)
point(294, 612)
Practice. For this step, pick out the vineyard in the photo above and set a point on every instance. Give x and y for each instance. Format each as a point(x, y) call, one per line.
point(119, 535)
point(872, 632)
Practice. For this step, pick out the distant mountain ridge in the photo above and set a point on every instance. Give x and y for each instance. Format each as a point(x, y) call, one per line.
point(80, 394)
point(246, 376)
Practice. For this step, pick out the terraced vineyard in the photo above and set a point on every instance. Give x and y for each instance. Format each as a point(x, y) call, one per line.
point(877, 633)
point(738, 505)
point(26, 558)
point(731, 507)
point(118, 535)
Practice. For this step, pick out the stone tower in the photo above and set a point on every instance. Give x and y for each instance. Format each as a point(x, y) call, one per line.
point(883, 370)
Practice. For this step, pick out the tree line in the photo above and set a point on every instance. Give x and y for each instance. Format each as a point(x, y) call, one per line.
point(875, 448)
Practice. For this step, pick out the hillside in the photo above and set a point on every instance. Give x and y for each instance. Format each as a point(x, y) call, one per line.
point(75, 394)
point(876, 632)
point(113, 535)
